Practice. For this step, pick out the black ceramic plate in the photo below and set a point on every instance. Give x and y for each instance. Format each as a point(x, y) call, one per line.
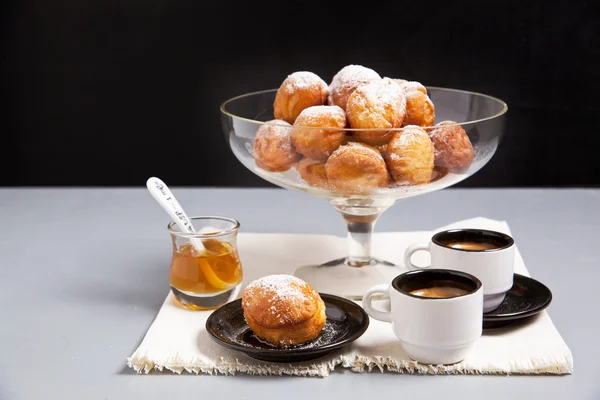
point(525, 299)
point(346, 322)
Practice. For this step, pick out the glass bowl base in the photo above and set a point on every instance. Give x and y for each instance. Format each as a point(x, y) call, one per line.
point(337, 277)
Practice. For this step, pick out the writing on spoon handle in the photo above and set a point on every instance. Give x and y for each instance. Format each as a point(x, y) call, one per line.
point(162, 194)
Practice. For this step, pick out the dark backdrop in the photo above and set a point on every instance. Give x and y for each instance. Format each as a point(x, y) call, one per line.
point(98, 92)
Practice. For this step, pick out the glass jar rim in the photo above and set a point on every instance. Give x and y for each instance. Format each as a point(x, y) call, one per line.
point(465, 123)
point(173, 229)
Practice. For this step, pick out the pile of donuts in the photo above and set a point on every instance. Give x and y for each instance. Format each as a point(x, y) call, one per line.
point(310, 133)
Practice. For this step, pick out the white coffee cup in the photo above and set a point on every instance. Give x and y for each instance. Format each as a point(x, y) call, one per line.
point(432, 330)
point(493, 266)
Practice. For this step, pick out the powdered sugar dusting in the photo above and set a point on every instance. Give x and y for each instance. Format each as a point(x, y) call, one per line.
point(410, 86)
point(281, 285)
point(374, 100)
point(278, 123)
point(280, 290)
point(313, 116)
point(410, 134)
point(365, 147)
point(303, 80)
point(274, 133)
point(413, 86)
point(354, 152)
point(315, 110)
point(380, 94)
point(407, 138)
point(351, 76)
point(436, 131)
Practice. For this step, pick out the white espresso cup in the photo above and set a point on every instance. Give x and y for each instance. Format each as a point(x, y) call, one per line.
point(489, 255)
point(432, 330)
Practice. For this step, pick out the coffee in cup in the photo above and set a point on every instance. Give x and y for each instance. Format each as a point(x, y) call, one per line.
point(436, 314)
point(489, 255)
point(473, 246)
point(439, 292)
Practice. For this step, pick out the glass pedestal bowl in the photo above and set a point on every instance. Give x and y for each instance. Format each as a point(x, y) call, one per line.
point(482, 118)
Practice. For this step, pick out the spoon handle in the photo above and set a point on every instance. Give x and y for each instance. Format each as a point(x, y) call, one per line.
point(161, 193)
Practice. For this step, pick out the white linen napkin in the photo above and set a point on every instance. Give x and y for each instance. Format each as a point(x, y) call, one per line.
point(178, 341)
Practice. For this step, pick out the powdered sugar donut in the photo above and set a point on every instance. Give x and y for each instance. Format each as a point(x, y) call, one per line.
point(356, 168)
point(378, 104)
point(345, 82)
point(273, 148)
point(319, 143)
point(298, 91)
point(419, 107)
point(283, 310)
point(409, 156)
point(453, 149)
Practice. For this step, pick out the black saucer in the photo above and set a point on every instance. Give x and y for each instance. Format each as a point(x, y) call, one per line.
point(526, 298)
point(346, 322)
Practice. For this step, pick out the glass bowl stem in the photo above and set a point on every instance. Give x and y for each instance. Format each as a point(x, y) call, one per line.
point(360, 217)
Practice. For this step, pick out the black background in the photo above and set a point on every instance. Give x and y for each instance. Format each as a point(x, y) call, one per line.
point(107, 92)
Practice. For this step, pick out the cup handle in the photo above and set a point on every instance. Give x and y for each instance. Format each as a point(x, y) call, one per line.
point(385, 316)
point(410, 251)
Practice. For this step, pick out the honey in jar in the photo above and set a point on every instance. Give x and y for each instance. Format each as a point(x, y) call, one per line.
point(204, 276)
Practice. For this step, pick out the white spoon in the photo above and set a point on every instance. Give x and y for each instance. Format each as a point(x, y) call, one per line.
point(161, 193)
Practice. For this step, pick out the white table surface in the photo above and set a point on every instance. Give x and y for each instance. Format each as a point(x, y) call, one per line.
point(84, 272)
